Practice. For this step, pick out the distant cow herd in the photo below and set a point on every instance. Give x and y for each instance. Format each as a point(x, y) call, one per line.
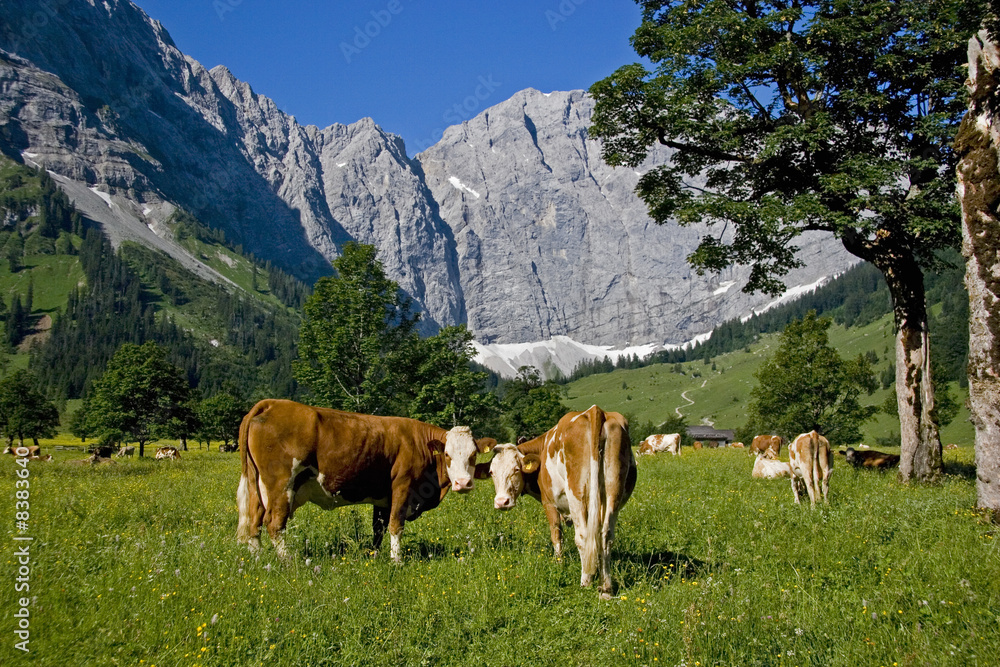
point(582, 471)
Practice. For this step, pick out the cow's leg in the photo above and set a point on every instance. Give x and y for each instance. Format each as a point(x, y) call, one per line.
point(795, 487)
point(380, 519)
point(555, 528)
point(276, 517)
point(397, 518)
point(811, 490)
point(826, 485)
point(588, 566)
point(610, 520)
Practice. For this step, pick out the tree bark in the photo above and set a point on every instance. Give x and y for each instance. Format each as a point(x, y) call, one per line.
point(979, 192)
point(920, 440)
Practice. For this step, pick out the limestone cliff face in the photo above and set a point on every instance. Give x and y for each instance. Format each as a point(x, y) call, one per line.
point(979, 192)
point(511, 223)
point(553, 241)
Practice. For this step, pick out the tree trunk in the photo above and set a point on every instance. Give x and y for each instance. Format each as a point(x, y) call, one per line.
point(920, 442)
point(142, 448)
point(979, 192)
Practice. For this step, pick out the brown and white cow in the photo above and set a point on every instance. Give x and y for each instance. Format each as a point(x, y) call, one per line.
point(769, 444)
point(292, 454)
point(766, 468)
point(582, 471)
point(661, 443)
point(167, 453)
point(27, 451)
point(811, 463)
point(871, 459)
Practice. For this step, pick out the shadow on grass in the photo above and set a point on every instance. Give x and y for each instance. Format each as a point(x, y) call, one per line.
point(636, 567)
point(966, 471)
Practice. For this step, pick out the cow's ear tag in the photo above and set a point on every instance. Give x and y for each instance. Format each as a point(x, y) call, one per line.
point(531, 464)
point(484, 445)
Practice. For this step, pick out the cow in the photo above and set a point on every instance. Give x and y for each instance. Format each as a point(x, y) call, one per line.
point(24, 451)
point(582, 471)
point(128, 450)
point(737, 445)
point(766, 468)
point(697, 445)
point(167, 453)
point(103, 451)
point(871, 459)
point(661, 443)
point(951, 446)
point(811, 464)
point(292, 454)
point(233, 447)
point(770, 444)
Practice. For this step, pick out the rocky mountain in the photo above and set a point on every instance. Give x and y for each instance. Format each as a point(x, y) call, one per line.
point(511, 223)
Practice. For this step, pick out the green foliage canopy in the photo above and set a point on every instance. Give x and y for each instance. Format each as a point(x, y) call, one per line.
point(451, 393)
point(531, 407)
point(784, 117)
point(805, 385)
point(356, 343)
point(139, 392)
point(24, 411)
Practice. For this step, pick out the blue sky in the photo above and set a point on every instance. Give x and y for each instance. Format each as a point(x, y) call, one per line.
point(414, 66)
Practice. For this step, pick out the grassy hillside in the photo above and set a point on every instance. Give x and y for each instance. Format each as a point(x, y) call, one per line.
point(721, 396)
point(136, 563)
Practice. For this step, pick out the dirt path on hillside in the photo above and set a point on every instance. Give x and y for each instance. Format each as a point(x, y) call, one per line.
point(688, 399)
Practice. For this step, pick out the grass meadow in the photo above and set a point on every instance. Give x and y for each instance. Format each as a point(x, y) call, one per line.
point(137, 564)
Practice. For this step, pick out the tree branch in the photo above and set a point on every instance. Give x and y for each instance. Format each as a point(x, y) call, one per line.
point(702, 150)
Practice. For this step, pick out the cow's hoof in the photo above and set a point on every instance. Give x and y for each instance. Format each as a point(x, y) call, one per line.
point(607, 596)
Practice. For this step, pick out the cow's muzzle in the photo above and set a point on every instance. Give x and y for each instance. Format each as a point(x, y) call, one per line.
point(503, 502)
point(462, 485)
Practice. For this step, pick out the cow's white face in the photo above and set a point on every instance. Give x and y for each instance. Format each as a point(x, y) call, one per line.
point(507, 469)
point(460, 455)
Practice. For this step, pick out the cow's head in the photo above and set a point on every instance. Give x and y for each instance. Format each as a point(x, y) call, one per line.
point(460, 450)
point(508, 468)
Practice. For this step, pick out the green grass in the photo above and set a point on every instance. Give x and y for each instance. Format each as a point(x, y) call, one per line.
point(132, 562)
point(53, 277)
point(722, 396)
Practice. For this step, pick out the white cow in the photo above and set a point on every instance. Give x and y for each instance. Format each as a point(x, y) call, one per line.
point(661, 443)
point(767, 468)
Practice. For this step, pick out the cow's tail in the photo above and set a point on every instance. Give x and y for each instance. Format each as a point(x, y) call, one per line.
point(251, 509)
point(594, 544)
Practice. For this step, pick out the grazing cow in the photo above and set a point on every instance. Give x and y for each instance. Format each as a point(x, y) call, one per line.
point(292, 454)
point(697, 445)
point(737, 445)
point(661, 443)
point(28, 451)
point(811, 463)
point(167, 453)
point(766, 468)
point(229, 448)
point(103, 451)
point(770, 444)
point(871, 459)
point(951, 446)
point(582, 470)
point(128, 450)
